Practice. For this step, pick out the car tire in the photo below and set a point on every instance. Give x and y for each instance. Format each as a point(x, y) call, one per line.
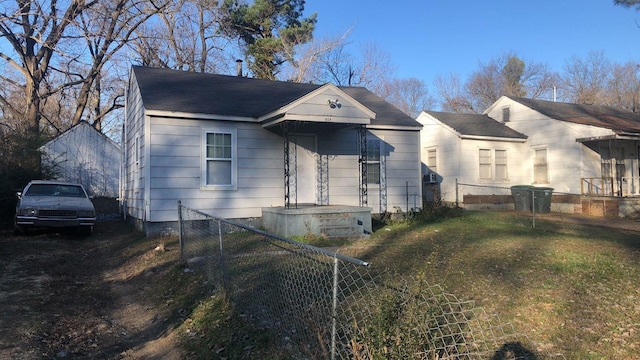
point(19, 230)
point(85, 230)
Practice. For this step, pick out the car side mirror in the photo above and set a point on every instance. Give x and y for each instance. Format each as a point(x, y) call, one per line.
point(19, 195)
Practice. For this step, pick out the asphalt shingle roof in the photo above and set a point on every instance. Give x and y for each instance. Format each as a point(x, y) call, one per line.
point(602, 116)
point(476, 125)
point(213, 94)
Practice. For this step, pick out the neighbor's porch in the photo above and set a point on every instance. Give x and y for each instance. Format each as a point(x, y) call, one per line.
point(619, 166)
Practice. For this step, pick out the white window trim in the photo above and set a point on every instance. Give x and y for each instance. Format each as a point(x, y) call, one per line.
point(493, 163)
point(379, 162)
point(234, 159)
point(548, 180)
point(426, 158)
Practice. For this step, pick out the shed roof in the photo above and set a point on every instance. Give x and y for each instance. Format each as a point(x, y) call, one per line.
point(601, 116)
point(201, 93)
point(476, 125)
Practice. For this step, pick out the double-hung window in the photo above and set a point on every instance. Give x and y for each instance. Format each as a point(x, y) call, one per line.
point(373, 161)
point(219, 167)
point(540, 166)
point(492, 164)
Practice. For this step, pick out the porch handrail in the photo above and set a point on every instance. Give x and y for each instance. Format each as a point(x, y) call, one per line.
point(609, 186)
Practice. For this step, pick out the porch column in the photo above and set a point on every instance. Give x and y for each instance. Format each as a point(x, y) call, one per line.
point(290, 166)
point(322, 179)
point(362, 135)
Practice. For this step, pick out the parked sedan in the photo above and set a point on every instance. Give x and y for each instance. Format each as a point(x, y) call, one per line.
point(54, 204)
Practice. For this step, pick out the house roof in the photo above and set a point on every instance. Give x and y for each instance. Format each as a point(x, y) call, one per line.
point(76, 127)
point(601, 116)
point(224, 95)
point(476, 125)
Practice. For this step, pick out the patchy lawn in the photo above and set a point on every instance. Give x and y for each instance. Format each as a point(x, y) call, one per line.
point(571, 289)
point(117, 295)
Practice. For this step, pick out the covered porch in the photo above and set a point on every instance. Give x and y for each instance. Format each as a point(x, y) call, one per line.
point(326, 128)
point(619, 166)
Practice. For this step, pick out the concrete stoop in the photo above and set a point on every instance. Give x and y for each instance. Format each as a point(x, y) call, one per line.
point(332, 221)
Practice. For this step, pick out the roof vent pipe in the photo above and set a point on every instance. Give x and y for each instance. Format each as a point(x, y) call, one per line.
point(239, 67)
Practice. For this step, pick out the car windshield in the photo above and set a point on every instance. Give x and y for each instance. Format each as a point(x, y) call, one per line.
point(55, 190)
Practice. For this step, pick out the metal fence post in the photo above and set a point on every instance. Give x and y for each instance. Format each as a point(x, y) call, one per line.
point(180, 230)
point(334, 309)
point(533, 208)
point(457, 193)
point(222, 270)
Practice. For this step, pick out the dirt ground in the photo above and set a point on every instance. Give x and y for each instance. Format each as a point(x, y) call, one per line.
point(67, 297)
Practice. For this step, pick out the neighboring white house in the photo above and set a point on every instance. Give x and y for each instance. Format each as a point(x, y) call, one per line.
point(231, 146)
point(86, 156)
point(472, 149)
point(575, 149)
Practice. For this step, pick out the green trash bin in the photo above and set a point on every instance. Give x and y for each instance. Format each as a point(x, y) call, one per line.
point(522, 197)
point(542, 199)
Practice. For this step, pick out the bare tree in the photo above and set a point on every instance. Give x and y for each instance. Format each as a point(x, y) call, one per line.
point(307, 63)
point(409, 95)
point(623, 87)
point(585, 79)
point(370, 68)
point(186, 37)
point(506, 74)
point(453, 97)
point(60, 53)
point(32, 32)
point(106, 28)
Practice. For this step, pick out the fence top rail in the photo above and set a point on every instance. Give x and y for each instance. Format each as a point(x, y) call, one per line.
point(333, 254)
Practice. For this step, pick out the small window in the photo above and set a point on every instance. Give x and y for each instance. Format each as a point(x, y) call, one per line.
point(219, 170)
point(540, 166)
point(506, 114)
point(373, 161)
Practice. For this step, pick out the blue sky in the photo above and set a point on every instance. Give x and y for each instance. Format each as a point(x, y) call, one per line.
point(427, 38)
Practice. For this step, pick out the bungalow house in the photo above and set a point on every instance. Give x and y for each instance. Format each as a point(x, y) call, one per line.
point(573, 148)
point(86, 156)
point(467, 148)
point(251, 149)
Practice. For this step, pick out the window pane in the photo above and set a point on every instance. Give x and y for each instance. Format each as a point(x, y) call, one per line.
point(432, 160)
point(484, 164)
point(218, 172)
point(219, 145)
point(501, 164)
point(540, 166)
point(373, 149)
point(373, 173)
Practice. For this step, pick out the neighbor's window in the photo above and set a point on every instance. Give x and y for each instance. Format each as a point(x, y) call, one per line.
point(432, 160)
point(540, 166)
point(506, 114)
point(501, 165)
point(373, 161)
point(485, 164)
point(492, 164)
point(220, 159)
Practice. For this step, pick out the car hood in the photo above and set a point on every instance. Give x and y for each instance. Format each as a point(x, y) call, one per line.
point(47, 202)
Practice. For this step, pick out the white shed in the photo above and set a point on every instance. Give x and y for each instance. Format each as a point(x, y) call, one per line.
point(86, 156)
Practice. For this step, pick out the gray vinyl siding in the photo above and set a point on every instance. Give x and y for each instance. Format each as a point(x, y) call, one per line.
point(176, 170)
point(133, 174)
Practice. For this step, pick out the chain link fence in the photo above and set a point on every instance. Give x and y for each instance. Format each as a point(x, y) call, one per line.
point(323, 305)
point(543, 207)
